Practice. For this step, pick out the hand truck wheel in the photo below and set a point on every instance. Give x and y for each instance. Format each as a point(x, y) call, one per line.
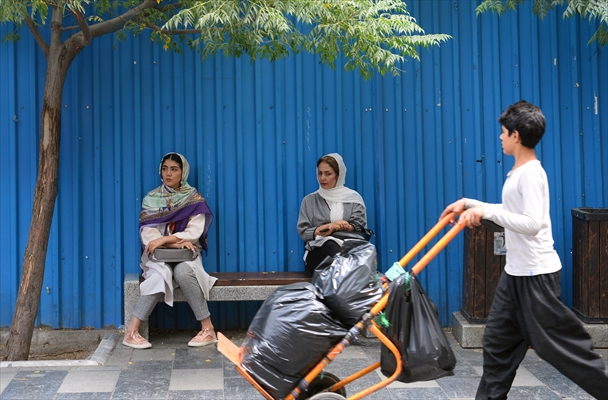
point(319, 384)
point(327, 396)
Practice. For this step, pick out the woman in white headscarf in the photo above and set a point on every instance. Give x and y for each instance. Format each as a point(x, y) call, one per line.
point(332, 208)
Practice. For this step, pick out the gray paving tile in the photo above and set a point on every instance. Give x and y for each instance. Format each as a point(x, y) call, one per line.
point(417, 393)
point(98, 368)
point(238, 388)
point(197, 379)
point(120, 355)
point(230, 369)
point(153, 355)
point(533, 392)
point(203, 357)
point(46, 368)
point(34, 385)
point(466, 369)
point(473, 357)
point(89, 381)
point(144, 380)
point(6, 375)
point(365, 383)
point(84, 396)
point(459, 386)
point(346, 368)
point(553, 379)
point(402, 385)
point(195, 394)
point(523, 377)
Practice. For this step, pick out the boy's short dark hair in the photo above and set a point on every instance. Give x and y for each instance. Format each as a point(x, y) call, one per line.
point(527, 119)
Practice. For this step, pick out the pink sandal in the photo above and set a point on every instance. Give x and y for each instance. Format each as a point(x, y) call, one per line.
point(203, 338)
point(136, 341)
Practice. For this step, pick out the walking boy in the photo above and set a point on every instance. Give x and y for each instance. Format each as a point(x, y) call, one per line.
point(527, 309)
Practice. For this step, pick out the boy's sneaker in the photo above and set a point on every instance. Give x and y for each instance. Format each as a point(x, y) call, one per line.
point(136, 341)
point(203, 338)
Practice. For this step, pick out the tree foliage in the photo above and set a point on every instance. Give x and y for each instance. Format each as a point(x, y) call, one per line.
point(369, 34)
point(590, 9)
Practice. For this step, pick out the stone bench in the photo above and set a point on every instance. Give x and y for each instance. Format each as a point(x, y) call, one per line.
point(230, 286)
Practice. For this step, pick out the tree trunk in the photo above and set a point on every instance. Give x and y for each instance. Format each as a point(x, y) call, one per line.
point(59, 59)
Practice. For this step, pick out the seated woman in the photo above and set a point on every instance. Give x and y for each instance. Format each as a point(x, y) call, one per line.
point(330, 209)
point(176, 216)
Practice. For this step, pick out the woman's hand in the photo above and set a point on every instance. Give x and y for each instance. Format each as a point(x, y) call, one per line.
point(170, 242)
point(184, 244)
point(343, 225)
point(328, 229)
point(325, 230)
point(154, 244)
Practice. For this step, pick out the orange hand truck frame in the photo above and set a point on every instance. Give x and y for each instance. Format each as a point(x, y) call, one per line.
point(233, 353)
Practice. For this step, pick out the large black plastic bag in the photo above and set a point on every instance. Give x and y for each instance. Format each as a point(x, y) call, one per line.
point(350, 285)
point(289, 335)
point(416, 331)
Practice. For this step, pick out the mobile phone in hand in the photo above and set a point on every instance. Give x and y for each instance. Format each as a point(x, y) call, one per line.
point(324, 230)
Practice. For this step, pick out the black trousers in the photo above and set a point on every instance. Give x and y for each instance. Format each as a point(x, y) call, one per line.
point(527, 312)
point(318, 254)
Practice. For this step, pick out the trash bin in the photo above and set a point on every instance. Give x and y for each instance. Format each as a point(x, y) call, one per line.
point(590, 264)
point(484, 260)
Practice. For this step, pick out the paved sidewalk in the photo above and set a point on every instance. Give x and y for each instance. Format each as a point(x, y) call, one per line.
point(172, 370)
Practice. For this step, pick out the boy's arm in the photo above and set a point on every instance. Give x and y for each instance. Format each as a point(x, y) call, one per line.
point(530, 221)
point(460, 205)
point(470, 203)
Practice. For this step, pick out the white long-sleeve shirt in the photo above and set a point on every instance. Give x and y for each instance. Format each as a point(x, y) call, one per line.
point(524, 213)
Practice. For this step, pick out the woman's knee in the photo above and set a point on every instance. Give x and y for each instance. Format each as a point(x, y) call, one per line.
point(182, 272)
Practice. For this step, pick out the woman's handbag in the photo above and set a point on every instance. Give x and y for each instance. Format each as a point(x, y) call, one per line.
point(173, 255)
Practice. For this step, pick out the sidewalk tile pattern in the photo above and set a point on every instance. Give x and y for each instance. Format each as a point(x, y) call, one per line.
point(172, 370)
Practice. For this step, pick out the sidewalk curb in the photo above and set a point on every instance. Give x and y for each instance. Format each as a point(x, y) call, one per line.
point(99, 357)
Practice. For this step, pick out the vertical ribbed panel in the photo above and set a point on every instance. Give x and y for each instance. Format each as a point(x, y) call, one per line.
point(253, 132)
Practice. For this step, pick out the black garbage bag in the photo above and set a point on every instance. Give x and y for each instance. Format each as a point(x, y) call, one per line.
point(416, 331)
point(349, 281)
point(291, 332)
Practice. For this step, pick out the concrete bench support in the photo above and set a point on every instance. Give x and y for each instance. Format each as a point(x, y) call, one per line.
point(231, 286)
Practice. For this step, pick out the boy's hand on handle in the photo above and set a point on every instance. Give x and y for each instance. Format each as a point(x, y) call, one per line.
point(472, 217)
point(456, 207)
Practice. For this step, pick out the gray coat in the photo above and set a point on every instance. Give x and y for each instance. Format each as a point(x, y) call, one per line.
point(314, 212)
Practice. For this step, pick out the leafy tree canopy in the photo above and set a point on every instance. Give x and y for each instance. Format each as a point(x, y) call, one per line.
point(370, 34)
point(591, 9)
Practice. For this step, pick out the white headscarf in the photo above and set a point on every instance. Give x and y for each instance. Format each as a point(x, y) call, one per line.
point(337, 196)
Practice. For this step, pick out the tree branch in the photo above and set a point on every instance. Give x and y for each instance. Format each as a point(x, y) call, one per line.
point(114, 24)
point(82, 23)
point(37, 36)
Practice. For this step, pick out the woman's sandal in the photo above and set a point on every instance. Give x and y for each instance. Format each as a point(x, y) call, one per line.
point(204, 338)
point(135, 340)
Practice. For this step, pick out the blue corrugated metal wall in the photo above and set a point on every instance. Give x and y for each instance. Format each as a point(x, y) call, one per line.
point(253, 133)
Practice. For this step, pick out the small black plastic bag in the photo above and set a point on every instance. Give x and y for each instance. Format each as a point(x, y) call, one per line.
point(416, 331)
point(349, 283)
point(291, 332)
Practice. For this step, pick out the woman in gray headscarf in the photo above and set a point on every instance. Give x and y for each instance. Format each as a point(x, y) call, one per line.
point(332, 208)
